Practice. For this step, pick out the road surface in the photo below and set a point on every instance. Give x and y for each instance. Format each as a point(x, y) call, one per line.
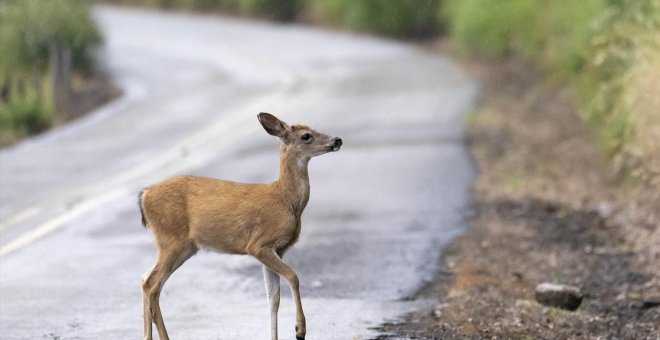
point(71, 244)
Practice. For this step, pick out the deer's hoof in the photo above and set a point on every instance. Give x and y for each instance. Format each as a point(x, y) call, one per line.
point(299, 337)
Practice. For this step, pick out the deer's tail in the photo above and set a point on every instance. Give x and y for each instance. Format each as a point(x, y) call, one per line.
point(139, 197)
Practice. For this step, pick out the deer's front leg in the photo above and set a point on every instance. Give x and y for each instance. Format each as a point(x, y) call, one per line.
point(272, 280)
point(271, 260)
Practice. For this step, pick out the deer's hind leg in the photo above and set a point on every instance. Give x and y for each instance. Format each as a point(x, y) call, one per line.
point(171, 256)
point(274, 263)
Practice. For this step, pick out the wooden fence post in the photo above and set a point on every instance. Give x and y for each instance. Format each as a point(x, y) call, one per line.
point(60, 67)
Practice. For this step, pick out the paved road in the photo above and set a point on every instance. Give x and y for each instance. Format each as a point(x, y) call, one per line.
point(72, 246)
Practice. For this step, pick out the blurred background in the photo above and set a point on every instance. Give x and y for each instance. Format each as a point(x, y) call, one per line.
point(606, 50)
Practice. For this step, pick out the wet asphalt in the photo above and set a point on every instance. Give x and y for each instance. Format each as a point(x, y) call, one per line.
point(71, 243)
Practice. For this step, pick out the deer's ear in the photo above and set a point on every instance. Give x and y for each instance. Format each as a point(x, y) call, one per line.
point(272, 125)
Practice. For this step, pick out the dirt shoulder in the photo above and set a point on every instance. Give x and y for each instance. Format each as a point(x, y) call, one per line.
point(90, 93)
point(547, 208)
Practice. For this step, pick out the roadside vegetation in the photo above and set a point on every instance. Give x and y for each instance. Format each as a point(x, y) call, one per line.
point(46, 46)
point(415, 18)
point(606, 51)
point(280, 10)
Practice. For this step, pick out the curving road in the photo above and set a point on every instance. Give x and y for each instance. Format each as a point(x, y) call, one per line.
point(71, 244)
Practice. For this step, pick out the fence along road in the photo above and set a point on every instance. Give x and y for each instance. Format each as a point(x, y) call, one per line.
point(72, 247)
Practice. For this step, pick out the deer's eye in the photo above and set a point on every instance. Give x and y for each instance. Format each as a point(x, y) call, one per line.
point(306, 137)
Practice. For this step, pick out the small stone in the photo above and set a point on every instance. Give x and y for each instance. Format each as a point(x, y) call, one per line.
point(317, 284)
point(557, 295)
point(604, 209)
point(438, 309)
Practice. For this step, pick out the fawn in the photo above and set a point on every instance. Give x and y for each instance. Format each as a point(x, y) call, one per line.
point(262, 220)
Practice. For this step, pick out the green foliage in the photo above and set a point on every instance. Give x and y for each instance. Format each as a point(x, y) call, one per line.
point(608, 49)
point(400, 18)
point(281, 10)
point(387, 17)
point(624, 55)
point(554, 34)
point(560, 36)
point(489, 27)
point(27, 27)
point(231, 5)
point(24, 115)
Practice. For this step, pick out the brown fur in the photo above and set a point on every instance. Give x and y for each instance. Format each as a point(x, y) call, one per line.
point(262, 220)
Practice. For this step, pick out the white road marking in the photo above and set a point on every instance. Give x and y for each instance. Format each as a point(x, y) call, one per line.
point(19, 217)
point(54, 224)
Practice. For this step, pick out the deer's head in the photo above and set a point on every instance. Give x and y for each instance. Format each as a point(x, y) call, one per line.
point(300, 140)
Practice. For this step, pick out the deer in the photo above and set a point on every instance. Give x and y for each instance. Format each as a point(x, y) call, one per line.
point(186, 213)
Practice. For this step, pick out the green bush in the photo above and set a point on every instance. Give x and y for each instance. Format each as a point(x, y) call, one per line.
point(281, 10)
point(25, 115)
point(488, 27)
point(387, 17)
point(206, 4)
point(400, 18)
point(608, 49)
point(623, 57)
point(561, 36)
point(27, 27)
point(554, 34)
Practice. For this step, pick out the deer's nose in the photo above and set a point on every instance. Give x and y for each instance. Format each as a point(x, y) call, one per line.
point(338, 142)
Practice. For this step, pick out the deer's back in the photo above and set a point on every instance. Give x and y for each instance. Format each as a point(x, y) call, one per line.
point(226, 216)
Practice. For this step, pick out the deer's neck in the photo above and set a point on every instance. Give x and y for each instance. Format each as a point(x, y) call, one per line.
point(294, 181)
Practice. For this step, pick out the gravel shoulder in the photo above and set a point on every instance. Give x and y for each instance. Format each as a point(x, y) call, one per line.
point(546, 208)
